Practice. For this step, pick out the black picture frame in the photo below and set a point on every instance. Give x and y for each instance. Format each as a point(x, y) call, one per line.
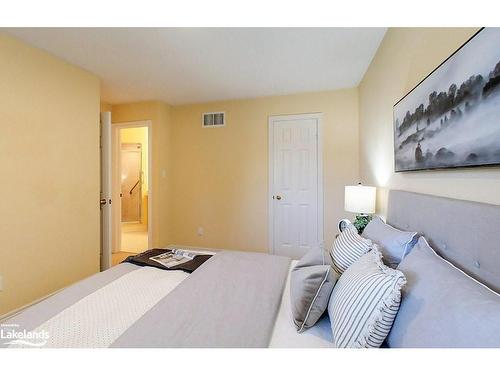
point(437, 158)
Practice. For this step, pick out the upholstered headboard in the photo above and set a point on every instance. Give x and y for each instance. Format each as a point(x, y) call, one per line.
point(465, 233)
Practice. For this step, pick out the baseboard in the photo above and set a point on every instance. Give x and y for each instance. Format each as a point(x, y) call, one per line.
point(198, 248)
point(187, 247)
point(14, 312)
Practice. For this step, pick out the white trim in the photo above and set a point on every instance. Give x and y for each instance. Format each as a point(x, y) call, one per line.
point(116, 167)
point(14, 312)
point(319, 139)
point(187, 247)
point(105, 174)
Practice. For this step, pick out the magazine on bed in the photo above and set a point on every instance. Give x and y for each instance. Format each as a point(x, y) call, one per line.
point(176, 257)
point(171, 259)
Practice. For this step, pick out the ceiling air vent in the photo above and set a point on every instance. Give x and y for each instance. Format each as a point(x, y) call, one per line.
point(213, 119)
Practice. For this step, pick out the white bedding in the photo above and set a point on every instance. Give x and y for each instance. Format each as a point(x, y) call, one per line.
point(284, 332)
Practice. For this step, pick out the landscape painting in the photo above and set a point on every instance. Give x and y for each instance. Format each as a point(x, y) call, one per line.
point(452, 118)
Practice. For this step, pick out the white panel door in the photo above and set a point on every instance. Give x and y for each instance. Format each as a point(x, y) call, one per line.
point(106, 223)
point(296, 216)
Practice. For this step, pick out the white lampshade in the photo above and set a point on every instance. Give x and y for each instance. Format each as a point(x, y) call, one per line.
point(360, 199)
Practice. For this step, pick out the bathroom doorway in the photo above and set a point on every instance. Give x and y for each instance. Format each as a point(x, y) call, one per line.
point(131, 181)
point(132, 188)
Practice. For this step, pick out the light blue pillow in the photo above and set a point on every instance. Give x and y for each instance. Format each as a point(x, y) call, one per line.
point(394, 244)
point(442, 307)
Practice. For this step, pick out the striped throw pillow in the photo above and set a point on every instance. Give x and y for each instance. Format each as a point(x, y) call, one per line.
point(365, 302)
point(347, 248)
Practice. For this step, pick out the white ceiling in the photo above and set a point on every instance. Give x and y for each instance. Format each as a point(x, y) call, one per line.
point(187, 65)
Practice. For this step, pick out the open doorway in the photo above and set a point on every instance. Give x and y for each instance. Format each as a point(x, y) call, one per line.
point(131, 189)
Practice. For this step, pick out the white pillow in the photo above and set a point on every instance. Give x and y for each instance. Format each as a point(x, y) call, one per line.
point(347, 248)
point(394, 244)
point(365, 302)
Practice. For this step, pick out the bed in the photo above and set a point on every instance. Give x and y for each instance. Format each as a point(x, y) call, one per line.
point(109, 309)
point(238, 299)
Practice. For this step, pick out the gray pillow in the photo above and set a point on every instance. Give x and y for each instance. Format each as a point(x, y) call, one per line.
point(395, 244)
point(310, 290)
point(442, 306)
point(314, 257)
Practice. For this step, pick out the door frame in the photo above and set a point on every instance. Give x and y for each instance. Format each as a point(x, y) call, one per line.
point(318, 116)
point(105, 191)
point(116, 183)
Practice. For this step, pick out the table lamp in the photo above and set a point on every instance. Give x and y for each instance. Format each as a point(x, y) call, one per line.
point(360, 200)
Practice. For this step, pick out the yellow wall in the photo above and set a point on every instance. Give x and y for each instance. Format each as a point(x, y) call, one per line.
point(404, 58)
point(49, 184)
point(220, 176)
point(159, 114)
point(213, 178)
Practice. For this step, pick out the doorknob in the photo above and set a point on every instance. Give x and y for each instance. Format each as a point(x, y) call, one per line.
point(278, 197)
point(103, 201)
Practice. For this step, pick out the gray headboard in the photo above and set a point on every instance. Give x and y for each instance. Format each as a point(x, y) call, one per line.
point(465, 233)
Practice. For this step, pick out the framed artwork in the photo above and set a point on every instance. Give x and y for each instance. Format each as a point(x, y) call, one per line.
point(451, 119)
